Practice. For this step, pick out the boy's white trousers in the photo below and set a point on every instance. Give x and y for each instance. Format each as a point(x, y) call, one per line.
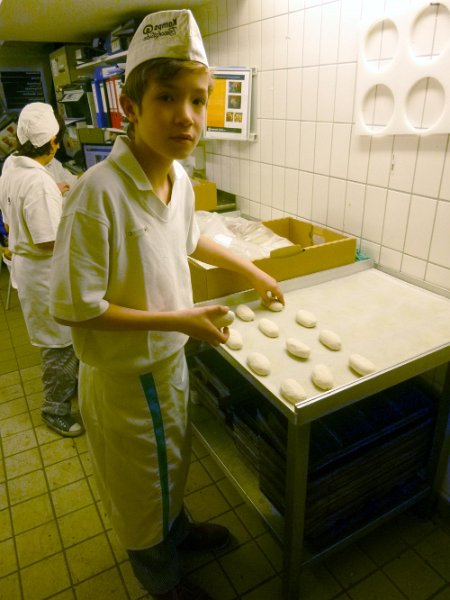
point(138, 434)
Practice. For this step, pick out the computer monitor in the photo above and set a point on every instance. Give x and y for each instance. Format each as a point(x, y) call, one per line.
point(95, 153)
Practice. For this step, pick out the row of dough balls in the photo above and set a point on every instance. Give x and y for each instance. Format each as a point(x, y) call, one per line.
point(290, 388)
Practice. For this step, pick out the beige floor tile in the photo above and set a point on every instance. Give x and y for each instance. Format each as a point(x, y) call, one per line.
point(80, 525)
point(246, 567)
point(350, 566)
point(413, 576)
point(12, 401)
point(32, 513)
point(8, 563)
point(213, 469)
point(45, 578)
point(64, 472)
point(3, 495)
point(36, 544)
point(230, 492)
point(34, 402)
point(251, 520)
point(375, 587)
point(31, 386)
point(435, 550)
point(58, 450)
point(71, 497)
point(5, 525)
point(443, 594)
point(13, 444)
point(268, 591)
point(12, 408)
point(29, 360)
point(317, 583)
point(30, 373)
point(86, 461)
point(272, 550)
point(15, 425)
point(240, 534)
point(89, 558)
point(198, 477)
point(131, 583)
point(23, 463)
point(10, 587)
point(212, 579)
point(2, 472)
point(119, 551)
point(106, 585)
point(9, 379)
point(207, 503)
point(8, 365)
point(28, 486)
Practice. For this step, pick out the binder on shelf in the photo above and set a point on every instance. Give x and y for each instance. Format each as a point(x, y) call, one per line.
point(99, 104)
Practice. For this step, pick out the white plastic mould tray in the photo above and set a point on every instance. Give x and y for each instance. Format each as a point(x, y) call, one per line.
point(403, 81)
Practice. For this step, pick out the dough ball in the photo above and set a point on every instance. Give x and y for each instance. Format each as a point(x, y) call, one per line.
point(245, 313)
point(275, 306)
point(297, 348)
point(259, 363)
point(269, 328)
point(361, 364)
point(306, 318)
point(292, 390)
point(330, 339)
point(322, 377)
point(234, 341)
point(224, 320)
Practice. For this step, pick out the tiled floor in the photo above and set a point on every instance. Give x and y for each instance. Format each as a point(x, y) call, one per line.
point(55, 541)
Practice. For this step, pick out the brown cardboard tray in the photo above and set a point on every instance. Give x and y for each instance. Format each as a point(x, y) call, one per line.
point(315, 249)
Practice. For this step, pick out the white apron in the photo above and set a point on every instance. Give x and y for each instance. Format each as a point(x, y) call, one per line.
point(138, 434)
point(32, 277)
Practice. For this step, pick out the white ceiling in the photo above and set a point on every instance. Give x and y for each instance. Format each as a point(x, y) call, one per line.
point(73, 20)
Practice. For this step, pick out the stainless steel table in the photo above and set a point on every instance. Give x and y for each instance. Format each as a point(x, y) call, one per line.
point(403, 329)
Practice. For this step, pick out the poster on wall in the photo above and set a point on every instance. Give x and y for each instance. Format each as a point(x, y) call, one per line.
point(228, 114)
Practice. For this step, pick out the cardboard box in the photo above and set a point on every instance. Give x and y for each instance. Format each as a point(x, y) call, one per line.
point(315, 249)
point(205, 194)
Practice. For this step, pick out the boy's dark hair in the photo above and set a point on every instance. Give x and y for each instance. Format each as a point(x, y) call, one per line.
point(27, 149)
point(158, 69)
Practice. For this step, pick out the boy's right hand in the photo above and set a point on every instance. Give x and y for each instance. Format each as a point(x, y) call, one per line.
point(198, 323)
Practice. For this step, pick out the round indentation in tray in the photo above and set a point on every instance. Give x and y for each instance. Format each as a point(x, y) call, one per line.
point(430, 33)
point(425, 103)
point(381, 44)
point(378, 108)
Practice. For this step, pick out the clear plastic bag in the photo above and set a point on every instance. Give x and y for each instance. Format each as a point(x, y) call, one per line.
point(250, 239)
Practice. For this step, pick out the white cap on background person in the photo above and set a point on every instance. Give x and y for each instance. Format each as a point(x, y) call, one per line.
point(37, 124)
point(166, 34)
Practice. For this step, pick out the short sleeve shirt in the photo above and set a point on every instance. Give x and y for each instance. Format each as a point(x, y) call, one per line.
point(118, 243)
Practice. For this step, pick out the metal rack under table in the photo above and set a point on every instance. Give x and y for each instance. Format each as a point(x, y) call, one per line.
point(402, 328)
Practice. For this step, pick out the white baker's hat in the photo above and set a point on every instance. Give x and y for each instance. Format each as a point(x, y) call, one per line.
point(166, 34)
point(37, 124)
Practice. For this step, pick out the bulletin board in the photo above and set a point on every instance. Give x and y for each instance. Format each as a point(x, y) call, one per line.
point(229, 105)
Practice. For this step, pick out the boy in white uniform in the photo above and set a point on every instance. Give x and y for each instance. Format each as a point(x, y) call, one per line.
point(31, 204)
point(121, 279)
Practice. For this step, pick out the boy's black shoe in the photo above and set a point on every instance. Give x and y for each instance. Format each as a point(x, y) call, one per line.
point(204, 537)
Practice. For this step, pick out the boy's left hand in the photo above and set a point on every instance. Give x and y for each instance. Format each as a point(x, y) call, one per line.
point(267, 287)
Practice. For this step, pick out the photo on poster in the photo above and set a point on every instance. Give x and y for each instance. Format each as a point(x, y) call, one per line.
point(228, 113)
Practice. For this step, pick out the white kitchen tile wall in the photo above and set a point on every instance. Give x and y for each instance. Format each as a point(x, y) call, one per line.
point(392, 193)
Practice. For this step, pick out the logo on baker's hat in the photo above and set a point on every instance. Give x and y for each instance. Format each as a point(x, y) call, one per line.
point(166, 34)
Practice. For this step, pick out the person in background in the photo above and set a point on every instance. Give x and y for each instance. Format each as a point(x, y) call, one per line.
point(65, 180)
point(31, 204)
point(121, 279)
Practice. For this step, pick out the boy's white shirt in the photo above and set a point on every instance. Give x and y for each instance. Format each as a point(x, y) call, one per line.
point(59, 173)
point(119, 243)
